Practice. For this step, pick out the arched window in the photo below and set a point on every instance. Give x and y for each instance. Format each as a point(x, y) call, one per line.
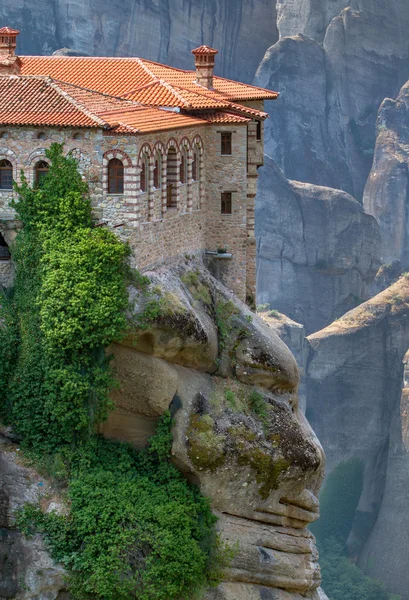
point(115, 176)
point(6, 175)
point(145, 174)
point(40, 171)
point(4, 249)
point(183, 167)
point(157, 172)
point(195, 166)
point(171, 188)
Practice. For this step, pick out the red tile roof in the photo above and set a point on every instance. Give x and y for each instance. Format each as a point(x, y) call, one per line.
point(205, 50)
point(42, 101)
point(8, 31)
point(223, 117)
point(121, 76)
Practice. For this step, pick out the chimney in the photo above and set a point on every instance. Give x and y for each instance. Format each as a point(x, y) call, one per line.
point(204, 62)
point(10, 64)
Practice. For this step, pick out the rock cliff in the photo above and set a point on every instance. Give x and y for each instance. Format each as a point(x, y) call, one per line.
point(386, 191)
point(232, 386)
point(158, 30)
point(354, 382)
point(317, 249)
point(334, 64)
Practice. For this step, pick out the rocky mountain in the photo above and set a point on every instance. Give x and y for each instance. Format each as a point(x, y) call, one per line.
point(317, 249)
point(158, 30)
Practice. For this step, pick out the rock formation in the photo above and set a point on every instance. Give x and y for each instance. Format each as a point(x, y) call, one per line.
point(334, 64)
point(317, 249)
point(232, 386)
point(384, 555)
point(386, 191)
point(354, 389)
point(158, 30)
point(26, 570)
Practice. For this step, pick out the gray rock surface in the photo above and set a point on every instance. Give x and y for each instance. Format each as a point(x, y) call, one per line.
point(26, 569)
point(334, 64)
point(316, 249)
point(160, 30)
point(386, 192)
point(385, 556)
point(354, 382)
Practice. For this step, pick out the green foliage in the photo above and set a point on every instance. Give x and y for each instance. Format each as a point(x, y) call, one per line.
point(225, 310)
point(135, 528)
point(230, 398)
point(342, 580)
point(198, 290)
point(258, 406)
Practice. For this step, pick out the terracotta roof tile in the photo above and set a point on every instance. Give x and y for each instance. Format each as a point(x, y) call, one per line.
point(223, 117)
point(120, 76)
point(205, 50)
point(42, 101)
point(8, 31)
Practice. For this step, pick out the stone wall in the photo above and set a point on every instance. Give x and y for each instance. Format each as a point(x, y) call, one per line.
point(155, 231)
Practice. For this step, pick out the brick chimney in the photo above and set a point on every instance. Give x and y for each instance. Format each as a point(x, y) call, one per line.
point(10, 64)
point(204, 62)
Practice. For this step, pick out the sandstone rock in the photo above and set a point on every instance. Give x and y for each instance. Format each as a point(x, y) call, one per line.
point(386, 192)
point(294, 336)
point(354, 388)
point(317, 249)
point(26, 569)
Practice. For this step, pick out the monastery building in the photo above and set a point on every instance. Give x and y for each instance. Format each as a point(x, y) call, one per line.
point(170, 156)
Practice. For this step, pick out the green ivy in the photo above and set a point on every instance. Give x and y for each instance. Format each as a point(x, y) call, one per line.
point(135, 528)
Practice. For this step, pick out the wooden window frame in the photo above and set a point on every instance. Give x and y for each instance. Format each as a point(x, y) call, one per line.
point(195, 166)
point(183, 167)
point(40, 170)
point(116, 177)
point(258, 132)
point(226, 203)
point(226, 146)
point(157, 173)
point(6, 169)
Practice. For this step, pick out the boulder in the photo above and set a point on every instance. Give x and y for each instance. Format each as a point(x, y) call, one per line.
point(317, 249)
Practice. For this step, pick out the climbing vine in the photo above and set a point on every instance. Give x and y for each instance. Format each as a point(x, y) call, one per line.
point(135, 528)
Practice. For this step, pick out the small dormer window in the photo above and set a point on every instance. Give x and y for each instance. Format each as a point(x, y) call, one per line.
point(41, 135)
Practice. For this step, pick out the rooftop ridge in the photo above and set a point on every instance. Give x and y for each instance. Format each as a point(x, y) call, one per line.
point(77, 104)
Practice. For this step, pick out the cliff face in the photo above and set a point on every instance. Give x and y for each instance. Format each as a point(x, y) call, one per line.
point(386, 191)
point(334, 64)
point(354, 382)
point(232, 387)
point(158, 30)
point(317, 249)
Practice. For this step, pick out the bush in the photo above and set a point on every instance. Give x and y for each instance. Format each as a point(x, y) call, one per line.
point(135, 528)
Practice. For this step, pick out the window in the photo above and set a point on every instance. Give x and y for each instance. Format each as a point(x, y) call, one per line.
point(77, 136)
point(195, 166)
point(6, 175)
point(115, 176)
point(226, 143)
point(183, 168)
point(144, 179)
point(4, 249)
point(226, 203)
point(258, 131)
point(171, 188)
point(157, 173)
point(41, 135)
point(40, 171)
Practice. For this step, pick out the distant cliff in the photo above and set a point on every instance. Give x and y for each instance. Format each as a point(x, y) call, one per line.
point(159, 30)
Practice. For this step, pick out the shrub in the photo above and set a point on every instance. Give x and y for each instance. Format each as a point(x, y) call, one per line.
point(135, 528)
